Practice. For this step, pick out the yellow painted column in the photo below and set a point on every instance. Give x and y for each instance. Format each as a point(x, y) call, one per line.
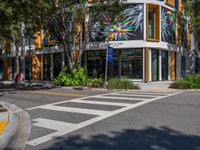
point(146, 65)
point(7, 69)
point(36, 67)
point(172, 66)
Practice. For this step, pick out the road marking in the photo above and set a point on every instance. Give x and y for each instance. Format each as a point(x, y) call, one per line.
point(76, 110)
point(3, 125)
point(52, 124)
point(57, 93)
point(148, 93)
point(121, 98)
point(56, 103)
point(100, 103)
point(102, 116)
point(160, 91)
point(134, 95)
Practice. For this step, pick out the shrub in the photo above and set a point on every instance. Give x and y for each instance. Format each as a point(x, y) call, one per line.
point(95, 82)
point(78, 77)
point(121, 83)
point(194, 80)
point(181, 84)
point(189, 82)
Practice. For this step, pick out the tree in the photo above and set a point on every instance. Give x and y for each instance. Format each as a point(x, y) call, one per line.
point(192, 10)
point(68, 21)
point(19, 19)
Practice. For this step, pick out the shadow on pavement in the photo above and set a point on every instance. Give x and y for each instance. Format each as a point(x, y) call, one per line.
point(11, 87)
point(147, 139)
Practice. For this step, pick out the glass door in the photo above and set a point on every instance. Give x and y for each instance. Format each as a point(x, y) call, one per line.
point(57, 64)
point(155, 61)
point(28, 68)
point(132, 63)
point(1, 69)
point(164, 55)
point(47, 67)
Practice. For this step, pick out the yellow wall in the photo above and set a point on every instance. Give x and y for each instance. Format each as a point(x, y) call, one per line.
point(36, 67)
point(170, 2)
point(181, 6)
point(172, 66)
point(7, 69)
point(8, 47)
point(189, 35)
point(38, 39)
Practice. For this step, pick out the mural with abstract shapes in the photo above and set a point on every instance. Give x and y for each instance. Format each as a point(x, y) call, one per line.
point(128, 25)
point(49, 40)
point(168, 26)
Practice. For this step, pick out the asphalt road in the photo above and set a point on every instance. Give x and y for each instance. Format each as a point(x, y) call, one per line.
point(96, 120)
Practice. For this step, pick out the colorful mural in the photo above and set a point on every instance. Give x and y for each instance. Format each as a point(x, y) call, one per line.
point(49, 40)
point(168, 26)
point(128, 25)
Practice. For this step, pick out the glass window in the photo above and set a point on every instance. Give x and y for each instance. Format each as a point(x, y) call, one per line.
point(47, 67)
point(57, 64)
point(128, 62)
point(1, 69)
point(164, 55)
point(94, 62)
point(132, 63)
point(155, 63)
point(183, 66)
point(151, 23)
point(28, 68)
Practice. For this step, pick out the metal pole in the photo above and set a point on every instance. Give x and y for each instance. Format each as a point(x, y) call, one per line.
point(106, 67)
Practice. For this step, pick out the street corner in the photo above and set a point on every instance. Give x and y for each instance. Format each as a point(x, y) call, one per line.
point(14, 126)
point(4, 119)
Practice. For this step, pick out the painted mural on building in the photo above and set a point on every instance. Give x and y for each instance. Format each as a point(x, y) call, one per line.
point(168, 26)
point(128, 25)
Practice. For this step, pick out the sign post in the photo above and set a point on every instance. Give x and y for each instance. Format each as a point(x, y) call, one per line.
point(109, 58)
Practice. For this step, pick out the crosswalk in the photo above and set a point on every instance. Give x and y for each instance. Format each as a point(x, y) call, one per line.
point(99, 106)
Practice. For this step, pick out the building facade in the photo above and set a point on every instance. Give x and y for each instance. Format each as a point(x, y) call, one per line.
point(151, 41)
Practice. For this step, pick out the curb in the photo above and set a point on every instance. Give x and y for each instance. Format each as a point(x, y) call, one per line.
point(1, 93)
point(82, 88)
point(18, 129)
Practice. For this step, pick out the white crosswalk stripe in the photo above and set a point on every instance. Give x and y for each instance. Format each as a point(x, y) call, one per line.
point(133, 95)
point(76, 110)
point(52, 124)
point(101, 103)
point(61, 128)
point(124, 98)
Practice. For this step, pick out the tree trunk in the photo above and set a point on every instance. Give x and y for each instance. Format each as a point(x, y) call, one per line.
point(68, 60)
point(83, 41)
point(17, 61)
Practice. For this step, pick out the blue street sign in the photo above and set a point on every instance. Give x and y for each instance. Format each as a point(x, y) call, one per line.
point(110, 54)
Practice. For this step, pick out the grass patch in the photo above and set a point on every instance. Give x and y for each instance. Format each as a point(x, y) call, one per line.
point(95, 82)
point(121, 83)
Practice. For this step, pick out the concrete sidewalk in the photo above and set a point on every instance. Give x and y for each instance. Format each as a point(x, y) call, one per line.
point(161, 86)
